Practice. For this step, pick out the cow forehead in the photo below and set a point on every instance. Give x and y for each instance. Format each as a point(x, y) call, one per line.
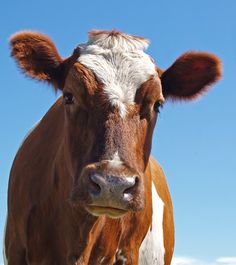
point(119, 63)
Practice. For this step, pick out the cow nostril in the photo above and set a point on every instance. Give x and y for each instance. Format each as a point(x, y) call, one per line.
point(129, 191)
point(136, 180)
point(94, 188)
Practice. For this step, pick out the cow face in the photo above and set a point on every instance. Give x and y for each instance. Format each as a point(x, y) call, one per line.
point(112, 93)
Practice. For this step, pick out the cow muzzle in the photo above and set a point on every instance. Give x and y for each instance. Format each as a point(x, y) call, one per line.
point(111, 191)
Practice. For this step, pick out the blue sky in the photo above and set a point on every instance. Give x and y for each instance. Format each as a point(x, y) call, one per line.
point(194, 142)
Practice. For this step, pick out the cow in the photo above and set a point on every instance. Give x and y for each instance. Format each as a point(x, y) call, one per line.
point(83, 188)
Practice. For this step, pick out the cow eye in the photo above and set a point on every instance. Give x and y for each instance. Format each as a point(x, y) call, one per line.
point(157, 106)
point(68, 98)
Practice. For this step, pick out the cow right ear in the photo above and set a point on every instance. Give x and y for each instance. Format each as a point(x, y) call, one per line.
point(37, 56)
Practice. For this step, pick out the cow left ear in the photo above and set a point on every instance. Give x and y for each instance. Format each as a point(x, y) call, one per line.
point(190, 75)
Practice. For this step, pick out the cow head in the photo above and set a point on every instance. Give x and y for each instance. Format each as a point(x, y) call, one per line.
point(112, 92)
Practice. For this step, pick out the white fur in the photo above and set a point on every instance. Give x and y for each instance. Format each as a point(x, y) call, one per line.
point(120, 64)
point(152, 250)
point(102, 259)
point(115, 162)
point(120, 257)
point(116, 158)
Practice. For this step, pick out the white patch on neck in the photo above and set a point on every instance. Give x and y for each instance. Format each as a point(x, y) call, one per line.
point(120, 64)
point(152, 250)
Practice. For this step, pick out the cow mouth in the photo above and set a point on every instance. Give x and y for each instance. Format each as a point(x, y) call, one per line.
point(103, 210)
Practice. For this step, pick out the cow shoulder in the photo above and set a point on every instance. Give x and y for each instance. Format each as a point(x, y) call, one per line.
point(32, 167)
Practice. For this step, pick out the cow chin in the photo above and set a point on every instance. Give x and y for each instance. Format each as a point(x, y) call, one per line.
point(106, 190)
point(108, 211)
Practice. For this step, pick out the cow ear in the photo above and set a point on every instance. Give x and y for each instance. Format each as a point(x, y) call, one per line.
point(37, 56)
point(190, 75)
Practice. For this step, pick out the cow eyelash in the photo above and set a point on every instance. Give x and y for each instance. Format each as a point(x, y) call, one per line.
point(68, 98)
point(157, 105)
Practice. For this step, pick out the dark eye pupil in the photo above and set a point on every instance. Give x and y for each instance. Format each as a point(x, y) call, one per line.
point(157, 106)
point(68, 98)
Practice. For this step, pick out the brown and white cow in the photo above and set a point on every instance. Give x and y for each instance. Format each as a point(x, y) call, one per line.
point(83, 188)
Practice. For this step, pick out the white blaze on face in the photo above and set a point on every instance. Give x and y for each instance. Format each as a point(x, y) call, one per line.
point(119, 63)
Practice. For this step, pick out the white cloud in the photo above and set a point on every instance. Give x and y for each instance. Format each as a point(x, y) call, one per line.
point(227, 260)
point(181, 260)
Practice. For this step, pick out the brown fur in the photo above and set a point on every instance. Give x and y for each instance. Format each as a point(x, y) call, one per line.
point(48, 222)
point(191, 75)
point(43, 223)
point(37, 56)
